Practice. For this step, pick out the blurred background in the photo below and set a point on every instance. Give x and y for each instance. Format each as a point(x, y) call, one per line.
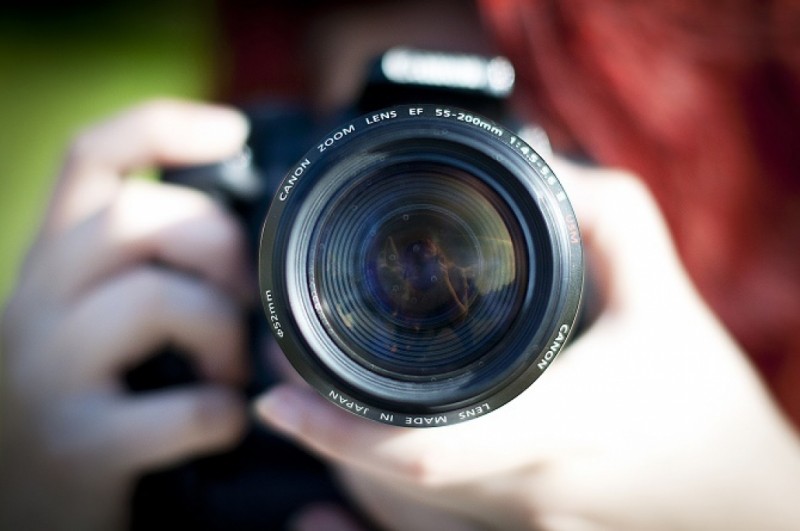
point(62, 68)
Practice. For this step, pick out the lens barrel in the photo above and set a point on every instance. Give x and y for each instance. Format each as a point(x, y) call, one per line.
point(421, 266)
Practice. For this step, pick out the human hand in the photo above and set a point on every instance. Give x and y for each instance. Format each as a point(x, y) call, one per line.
point(120, 269)
point(652, 419)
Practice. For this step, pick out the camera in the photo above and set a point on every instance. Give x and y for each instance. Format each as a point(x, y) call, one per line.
point(420, 265)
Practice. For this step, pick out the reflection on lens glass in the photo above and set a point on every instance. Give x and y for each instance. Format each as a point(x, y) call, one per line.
point(417, 272)
point(421, 265)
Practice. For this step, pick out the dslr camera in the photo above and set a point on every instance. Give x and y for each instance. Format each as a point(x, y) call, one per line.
point(419, 263)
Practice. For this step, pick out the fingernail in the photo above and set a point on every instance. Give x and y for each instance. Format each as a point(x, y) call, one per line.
point(279, 408)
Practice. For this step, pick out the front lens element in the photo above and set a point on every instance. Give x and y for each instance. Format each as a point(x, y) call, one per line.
point(418, 270)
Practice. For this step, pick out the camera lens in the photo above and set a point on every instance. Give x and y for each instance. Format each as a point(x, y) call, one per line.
point(421, 269)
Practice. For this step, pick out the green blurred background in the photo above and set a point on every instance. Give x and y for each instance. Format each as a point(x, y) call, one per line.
point(65, 67)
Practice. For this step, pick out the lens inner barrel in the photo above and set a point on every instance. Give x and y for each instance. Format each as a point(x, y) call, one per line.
point(417, 271)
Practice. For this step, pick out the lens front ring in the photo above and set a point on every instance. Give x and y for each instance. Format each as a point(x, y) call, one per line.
point(396, 320)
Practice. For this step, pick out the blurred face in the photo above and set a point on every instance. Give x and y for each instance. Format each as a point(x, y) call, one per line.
point(341, 41)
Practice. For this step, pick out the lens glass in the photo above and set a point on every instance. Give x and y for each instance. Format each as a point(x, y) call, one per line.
point(417, 271)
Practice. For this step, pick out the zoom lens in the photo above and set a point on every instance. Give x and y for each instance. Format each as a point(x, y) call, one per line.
point(422, 269)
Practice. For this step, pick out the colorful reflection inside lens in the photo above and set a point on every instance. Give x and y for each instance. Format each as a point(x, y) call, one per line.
point(418, 273)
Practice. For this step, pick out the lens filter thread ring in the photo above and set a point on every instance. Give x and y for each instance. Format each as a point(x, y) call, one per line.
point(474, 181)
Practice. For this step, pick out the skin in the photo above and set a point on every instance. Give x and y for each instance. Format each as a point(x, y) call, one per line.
point(653, 419)
point(121, 268)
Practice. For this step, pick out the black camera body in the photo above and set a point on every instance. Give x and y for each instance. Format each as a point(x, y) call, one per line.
point(420, 266)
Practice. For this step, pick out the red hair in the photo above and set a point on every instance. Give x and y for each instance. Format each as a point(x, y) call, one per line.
point(702, 100)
